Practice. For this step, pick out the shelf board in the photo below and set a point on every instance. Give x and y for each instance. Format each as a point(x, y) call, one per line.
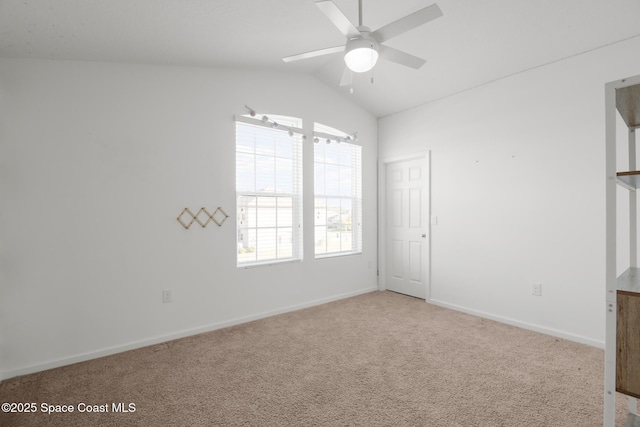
point(627, 104)
point(630, 178)
point(629, 280)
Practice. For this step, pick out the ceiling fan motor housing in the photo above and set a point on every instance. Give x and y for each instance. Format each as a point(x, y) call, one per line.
point(361, 52)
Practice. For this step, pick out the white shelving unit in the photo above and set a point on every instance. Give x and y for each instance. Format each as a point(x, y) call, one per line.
point(622, 348)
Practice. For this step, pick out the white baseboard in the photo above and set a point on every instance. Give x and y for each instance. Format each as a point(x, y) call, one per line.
point(524, 325)
point(169, 337)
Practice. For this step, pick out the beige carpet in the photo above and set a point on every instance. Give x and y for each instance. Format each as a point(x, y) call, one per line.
point(380, 359)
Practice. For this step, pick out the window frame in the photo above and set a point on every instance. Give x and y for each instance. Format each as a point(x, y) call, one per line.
point(323, 133)
point(285, 128)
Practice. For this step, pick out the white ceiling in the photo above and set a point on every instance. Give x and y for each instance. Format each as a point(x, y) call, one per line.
point(475, 42)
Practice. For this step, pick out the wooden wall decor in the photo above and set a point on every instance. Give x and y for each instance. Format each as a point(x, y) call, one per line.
point(218, 216)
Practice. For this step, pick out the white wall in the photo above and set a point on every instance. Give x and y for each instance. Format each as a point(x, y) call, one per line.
point(96, 162)
point(518, 186)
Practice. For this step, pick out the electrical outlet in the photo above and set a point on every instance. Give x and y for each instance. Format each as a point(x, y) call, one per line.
point(536, 289)
point(166, 296)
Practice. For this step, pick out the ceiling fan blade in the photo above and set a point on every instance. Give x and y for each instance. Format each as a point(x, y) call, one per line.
point(399, 57)
point(407, 23)
point(313, 54)
point(338, 18)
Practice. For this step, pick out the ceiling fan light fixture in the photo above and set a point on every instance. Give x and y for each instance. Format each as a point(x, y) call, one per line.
point(361, 55)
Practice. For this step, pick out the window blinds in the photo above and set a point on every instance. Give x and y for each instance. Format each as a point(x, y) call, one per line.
point(268, 193)
point(337, 198)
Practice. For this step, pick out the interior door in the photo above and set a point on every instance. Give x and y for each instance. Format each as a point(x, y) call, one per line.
point(407, 237)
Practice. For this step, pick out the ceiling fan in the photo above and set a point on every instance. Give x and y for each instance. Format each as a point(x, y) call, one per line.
point(363, 47)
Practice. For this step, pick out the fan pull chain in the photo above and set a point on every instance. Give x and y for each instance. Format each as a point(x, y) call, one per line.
point(372, 50)
point(372, 68)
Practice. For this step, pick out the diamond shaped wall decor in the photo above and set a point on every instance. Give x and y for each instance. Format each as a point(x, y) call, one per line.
point(218, 216)
point(186, 211)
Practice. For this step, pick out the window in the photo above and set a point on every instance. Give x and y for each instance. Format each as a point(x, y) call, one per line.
point(268, 190)
point(338, 194)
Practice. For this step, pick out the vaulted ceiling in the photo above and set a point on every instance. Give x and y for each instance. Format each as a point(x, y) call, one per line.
point(473, 43)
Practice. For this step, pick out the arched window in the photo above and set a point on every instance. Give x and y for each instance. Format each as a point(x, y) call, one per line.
point(337, 193)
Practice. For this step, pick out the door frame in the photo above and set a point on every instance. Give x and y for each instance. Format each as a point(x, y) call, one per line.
point(382, 218)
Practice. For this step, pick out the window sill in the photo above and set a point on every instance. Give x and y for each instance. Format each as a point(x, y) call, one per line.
point(338, 254)
point(267, 263)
